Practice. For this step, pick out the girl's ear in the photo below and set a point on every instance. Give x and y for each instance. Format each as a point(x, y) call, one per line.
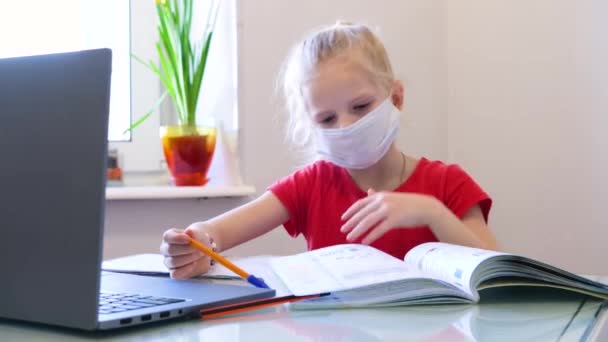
point(397, 94)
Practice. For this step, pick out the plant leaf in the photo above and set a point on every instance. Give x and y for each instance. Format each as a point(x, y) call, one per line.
point(147, 115)
point(200, 71)
point(182, 63)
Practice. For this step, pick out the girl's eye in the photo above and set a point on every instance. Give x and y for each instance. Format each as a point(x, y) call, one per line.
point(361, 107)
point(328, 120)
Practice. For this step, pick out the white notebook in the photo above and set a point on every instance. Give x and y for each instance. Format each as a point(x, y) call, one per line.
point(152, 264)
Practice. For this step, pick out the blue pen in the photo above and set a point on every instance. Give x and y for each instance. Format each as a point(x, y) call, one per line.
point(253, 280)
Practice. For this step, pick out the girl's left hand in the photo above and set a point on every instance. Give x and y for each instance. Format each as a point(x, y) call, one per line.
point(380, 212)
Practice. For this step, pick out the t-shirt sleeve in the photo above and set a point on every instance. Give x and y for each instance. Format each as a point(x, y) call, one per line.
point(294, 191)
point(462, 193)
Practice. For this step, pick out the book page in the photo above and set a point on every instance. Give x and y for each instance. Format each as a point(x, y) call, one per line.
point(453, 264)
point(338, 268)
point(394, 293)
point(259, 266)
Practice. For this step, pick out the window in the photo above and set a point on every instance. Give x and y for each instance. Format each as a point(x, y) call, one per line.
point(32, 27)
point(126, 27)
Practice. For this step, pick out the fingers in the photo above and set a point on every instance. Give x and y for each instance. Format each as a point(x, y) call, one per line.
point(174, 262)
point(175, 250)
point(366, 224)
point(363, 211)
point(183, 260)
point(192, 269)
point(175, 242)
point(359, 204)
point(183, 272)
point(356, 207)
point(176, 236)
point(377, 232)
point(191, 232)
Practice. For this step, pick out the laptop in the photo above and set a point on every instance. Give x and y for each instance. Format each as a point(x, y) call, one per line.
point(53, 152)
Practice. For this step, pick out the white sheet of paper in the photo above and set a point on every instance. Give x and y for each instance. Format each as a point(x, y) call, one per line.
point(152, 264)
point(138, 263)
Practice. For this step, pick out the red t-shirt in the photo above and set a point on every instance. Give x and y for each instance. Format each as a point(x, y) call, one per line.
point(317, 195)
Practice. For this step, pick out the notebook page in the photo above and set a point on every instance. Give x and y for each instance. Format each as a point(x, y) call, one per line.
point(451, 263)
point(338, 268)
point(152, 264)
point(256, 265)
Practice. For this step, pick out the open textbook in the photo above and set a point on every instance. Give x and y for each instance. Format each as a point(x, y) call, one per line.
point(360, 276)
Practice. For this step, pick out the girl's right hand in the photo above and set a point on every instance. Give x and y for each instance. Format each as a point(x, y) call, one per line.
point(183, 260)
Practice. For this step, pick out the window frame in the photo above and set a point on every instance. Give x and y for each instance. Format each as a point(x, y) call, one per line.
point(142, 151)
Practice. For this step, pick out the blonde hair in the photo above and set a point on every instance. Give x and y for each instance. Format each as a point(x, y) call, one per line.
point(342, 39)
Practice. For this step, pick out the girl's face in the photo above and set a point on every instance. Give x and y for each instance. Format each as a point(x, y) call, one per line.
point(341, 92)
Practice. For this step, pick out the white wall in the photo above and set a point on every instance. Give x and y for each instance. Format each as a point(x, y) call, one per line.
point(527, 115)
point(413, 32)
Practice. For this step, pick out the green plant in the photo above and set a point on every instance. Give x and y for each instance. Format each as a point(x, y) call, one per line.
point(181, 61)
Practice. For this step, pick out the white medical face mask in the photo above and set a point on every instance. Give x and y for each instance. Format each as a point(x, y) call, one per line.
point(363, 143)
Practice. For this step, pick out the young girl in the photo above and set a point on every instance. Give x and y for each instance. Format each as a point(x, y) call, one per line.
point(342, 95)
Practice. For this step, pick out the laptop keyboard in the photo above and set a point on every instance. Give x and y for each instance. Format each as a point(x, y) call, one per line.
point(120, 302)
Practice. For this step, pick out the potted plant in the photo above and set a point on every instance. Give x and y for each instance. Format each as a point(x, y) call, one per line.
point(188, 147)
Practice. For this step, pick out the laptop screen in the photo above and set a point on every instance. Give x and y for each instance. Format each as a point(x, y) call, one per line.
point(53, 137)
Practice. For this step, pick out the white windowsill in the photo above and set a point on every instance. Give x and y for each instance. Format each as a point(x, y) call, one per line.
point(170, 191)
point(152, 185)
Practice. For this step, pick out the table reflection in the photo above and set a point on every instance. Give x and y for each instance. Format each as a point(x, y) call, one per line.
point(519, 315)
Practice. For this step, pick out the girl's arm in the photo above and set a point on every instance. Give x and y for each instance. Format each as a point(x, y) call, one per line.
point(373, 216)
point(472, 230)
point(245, 222)
point(227, 230)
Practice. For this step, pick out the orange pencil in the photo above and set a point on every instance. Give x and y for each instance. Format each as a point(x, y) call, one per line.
point(253, 280)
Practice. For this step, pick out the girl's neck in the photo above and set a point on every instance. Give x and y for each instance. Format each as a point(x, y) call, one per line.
point(386, 175)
